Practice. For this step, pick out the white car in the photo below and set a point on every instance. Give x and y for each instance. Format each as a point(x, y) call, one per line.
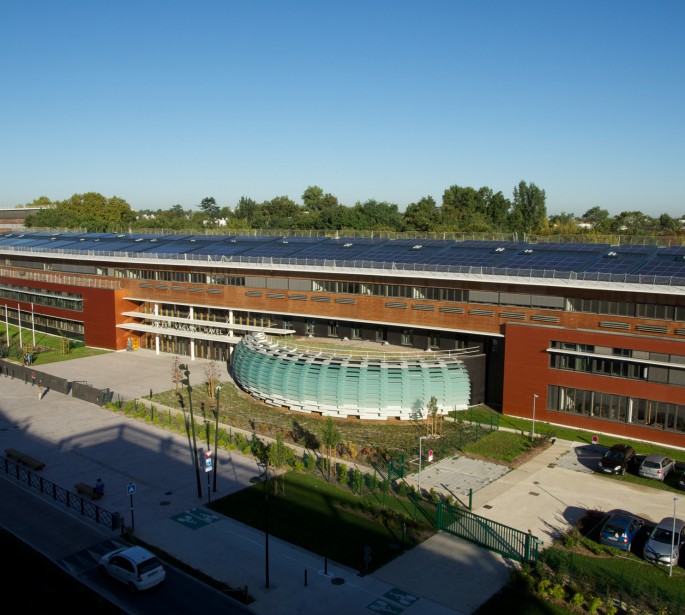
point(136, 567)
point(664, 546)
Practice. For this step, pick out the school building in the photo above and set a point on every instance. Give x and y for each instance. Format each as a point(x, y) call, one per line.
point(585, 335)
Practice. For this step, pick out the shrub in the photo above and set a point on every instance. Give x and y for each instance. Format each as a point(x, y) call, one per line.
point(594, 604)
point(342, 474)
point(310, 462)
point(571, 538)
point(610, 608)
point(578, 599)
point(543, 587)
point(372, 481)
point(557, 592)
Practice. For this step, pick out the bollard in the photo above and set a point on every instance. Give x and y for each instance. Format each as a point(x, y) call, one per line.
point(305, 577)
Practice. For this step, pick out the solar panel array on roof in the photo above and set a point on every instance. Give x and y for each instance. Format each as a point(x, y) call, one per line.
point(647, 260)
point(664, 264)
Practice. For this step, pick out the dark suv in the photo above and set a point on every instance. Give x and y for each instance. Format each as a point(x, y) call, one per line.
point(617, 459)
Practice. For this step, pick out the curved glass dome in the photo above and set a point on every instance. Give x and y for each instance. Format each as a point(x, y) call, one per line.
point(376, 387)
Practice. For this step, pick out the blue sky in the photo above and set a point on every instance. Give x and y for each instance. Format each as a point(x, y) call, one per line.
point(165, 102)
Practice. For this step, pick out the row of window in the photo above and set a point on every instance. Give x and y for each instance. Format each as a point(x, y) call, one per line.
point(619, 369)
point(643, 412)
point(628, 353)
point(51, 298)
point(657, 311)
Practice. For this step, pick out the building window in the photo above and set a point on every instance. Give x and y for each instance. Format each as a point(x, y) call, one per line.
point(407, 337)
point(433, 340)
point(332, 328)
point(619, 408)
point(309, 327)
point(356, 333)
point(381, 334)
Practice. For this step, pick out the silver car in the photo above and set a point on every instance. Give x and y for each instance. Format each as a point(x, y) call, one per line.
point(663, 545)
point(656, 466)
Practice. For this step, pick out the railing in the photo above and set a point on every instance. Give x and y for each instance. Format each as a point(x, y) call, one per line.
point(61, 495)
point(505, 540)
point(346, 352)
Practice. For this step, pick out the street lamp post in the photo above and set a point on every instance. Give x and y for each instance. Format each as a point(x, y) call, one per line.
point(532, 433)
point(421, 439)
point(670, 566)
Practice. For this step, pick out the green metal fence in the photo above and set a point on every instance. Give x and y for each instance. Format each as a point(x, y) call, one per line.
point(505, 540)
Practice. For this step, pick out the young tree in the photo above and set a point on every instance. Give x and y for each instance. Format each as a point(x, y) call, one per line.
point(176, 374)
point(212, 378)
point(278, 457)
point(330, 438)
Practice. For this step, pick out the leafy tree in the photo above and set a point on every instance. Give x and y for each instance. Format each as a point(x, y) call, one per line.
point(498, 207)
point(422, 215)
point(246, 209)
point(529, 209)
point(598, 218)
point(633, 223)
point(339, 218)
point(90, 210)
point(315, 200)
point(209, 207)
point(378, 216)
point(669, 225)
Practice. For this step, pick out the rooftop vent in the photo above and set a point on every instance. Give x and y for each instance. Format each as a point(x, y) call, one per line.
point(347, 245)
point(418, 246)
point(528, 251)
point(499, 250)
point(611, 254)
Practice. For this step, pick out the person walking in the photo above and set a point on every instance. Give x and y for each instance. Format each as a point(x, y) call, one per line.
point(99, 487)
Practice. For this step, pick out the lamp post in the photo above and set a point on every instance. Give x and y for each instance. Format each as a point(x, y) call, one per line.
point(216, 437)
point(670, 565)
point(421, 439)
point(532, 433)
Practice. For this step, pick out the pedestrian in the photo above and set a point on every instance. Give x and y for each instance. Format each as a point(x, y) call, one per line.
point(367, 558)
point(40, 389)
point(99, 487)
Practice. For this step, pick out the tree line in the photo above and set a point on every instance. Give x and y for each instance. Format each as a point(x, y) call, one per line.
point(463, 209)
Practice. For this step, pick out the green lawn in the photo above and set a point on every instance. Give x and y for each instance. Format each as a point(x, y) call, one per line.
point(47, 349)
point(332, 521)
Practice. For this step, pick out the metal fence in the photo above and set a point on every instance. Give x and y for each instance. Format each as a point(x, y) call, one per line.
point(60, 495)
point(505, 540)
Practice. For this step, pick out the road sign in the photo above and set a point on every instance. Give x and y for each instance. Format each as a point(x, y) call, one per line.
point(208, 461)
point(430, 455)
point(131, 489)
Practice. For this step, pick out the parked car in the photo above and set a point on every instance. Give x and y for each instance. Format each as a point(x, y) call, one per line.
point(656, 466)
point(663, 545)
point(620, 530)
point(136, 567)
point(617, 459)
